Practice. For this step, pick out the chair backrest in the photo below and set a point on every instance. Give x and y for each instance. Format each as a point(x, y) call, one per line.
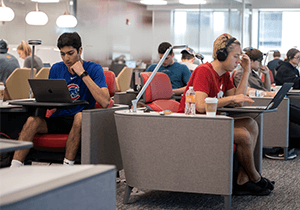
point(271, 77)
point(123, 79)
point(157, 95)
point(43, 73)
point(17, 86)
point(110, 82)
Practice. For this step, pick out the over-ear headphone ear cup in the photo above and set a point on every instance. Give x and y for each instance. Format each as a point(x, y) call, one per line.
point(222, 54)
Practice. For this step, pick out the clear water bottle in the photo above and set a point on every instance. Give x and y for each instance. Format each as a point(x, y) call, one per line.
point(190, 103)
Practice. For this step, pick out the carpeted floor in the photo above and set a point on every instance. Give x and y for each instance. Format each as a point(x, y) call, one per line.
point(285, 196)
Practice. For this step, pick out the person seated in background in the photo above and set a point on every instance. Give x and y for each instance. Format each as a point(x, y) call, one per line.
point(188, 58)
point(254, 81)
point(8, 62)
point(213, 80)
point(25, 52)
point(274, 63)
point(87, 82)
point(179, 74)
point(287, 71)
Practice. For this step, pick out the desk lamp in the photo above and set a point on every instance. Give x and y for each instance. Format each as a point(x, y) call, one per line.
point(33, 43)
point(134, 102)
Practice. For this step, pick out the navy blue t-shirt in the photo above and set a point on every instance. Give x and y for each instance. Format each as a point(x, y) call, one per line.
point(78, 89)
point(179, 74)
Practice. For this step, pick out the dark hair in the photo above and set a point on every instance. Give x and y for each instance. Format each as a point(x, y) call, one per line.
point(255, 55)
point(69, 39)
point(187, 56)
point(291, 54)
point(276, 53)
point(162, 48)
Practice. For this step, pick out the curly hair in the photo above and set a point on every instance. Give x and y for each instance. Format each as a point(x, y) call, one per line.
point(220, 43)
point(255, 55)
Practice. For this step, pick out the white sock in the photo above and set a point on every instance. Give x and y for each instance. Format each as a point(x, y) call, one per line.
point(16, 163)
point(68, 162)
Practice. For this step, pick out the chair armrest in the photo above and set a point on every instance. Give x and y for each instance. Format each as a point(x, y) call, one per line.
point(99, 143)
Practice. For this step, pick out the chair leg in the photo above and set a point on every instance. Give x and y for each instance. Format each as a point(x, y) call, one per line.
point(127, 194)
point(286, 153)
point(227, 202)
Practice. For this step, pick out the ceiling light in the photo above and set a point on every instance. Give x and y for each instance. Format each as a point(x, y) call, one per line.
point(153, 2)
point(6, 13)
point(36, 17)
point(192, 1)
point(46, 1)
point(66, 21)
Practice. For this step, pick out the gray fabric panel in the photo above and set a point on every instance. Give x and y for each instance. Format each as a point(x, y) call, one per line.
point(177, 154)
point(275, 124)
point(99, 143)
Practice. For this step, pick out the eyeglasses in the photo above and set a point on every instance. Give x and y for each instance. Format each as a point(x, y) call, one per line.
point(298, 57)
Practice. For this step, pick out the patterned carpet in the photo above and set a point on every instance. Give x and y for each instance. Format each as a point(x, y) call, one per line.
point(285, 196)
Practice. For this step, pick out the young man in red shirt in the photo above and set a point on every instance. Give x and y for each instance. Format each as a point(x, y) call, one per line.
point(213, 80)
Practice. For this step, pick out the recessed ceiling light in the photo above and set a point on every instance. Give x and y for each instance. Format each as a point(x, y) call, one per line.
point(153, 2)
point(192, 1)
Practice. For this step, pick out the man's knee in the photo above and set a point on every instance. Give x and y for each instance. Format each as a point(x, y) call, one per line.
point(242, 136)
point(249, 124)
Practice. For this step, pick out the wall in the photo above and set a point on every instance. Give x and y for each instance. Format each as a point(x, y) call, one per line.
point(101, 24)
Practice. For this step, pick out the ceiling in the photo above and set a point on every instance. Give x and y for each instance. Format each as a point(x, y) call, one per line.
point(294, 4)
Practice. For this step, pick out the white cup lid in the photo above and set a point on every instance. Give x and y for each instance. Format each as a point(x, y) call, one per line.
point(211, 100)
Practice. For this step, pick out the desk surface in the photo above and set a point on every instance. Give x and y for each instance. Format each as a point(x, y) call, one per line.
point(12, 145)
point(33, 103)
point(28, 181)
point(244, 110)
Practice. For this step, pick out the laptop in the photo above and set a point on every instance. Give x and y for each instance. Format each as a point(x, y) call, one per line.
point(274, 103)
point(51, 90)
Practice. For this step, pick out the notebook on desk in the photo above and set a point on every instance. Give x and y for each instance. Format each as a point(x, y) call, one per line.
point(51, 90)
point(274, 103)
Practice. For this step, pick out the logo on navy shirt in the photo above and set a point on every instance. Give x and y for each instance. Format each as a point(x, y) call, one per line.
point(74, 91)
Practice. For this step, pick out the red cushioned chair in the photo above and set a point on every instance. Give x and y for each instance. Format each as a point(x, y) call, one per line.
point(57, 142)
point(158, 94)
point(271, 77)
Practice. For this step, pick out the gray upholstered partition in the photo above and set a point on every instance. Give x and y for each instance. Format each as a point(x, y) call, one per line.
point(99, 144)
point(275, 124)
point(171, 152)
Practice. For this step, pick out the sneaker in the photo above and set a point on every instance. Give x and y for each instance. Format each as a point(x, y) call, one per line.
point(250, 188)
point(279, 155)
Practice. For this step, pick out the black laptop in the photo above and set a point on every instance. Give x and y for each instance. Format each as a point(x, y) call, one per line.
point(274, 103)
point(51, 90)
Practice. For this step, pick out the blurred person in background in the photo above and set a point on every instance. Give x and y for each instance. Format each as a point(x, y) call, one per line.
point(25, 52)
point(8, 62)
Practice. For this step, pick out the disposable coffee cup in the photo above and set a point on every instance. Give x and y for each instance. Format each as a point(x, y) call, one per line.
point(211, 106)
point(1, 94)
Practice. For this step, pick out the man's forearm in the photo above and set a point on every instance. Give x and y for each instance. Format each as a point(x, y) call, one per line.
point(101, 95)
point(179, 91)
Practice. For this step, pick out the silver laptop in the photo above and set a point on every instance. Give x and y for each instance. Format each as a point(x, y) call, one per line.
point(51, 90)
point(274, 103)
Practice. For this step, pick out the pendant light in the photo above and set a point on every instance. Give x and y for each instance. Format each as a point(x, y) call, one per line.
point(6, 13)
point(192, 1)
point(36, 17)
point(67, 20)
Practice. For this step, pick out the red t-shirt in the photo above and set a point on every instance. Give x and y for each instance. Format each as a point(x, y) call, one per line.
point(205, 78)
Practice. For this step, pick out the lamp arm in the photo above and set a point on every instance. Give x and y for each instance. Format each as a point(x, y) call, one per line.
point(267, 55)
point(134, 102)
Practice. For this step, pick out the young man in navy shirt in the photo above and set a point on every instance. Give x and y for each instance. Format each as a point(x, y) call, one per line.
point(85, 81)
point(179, 74)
